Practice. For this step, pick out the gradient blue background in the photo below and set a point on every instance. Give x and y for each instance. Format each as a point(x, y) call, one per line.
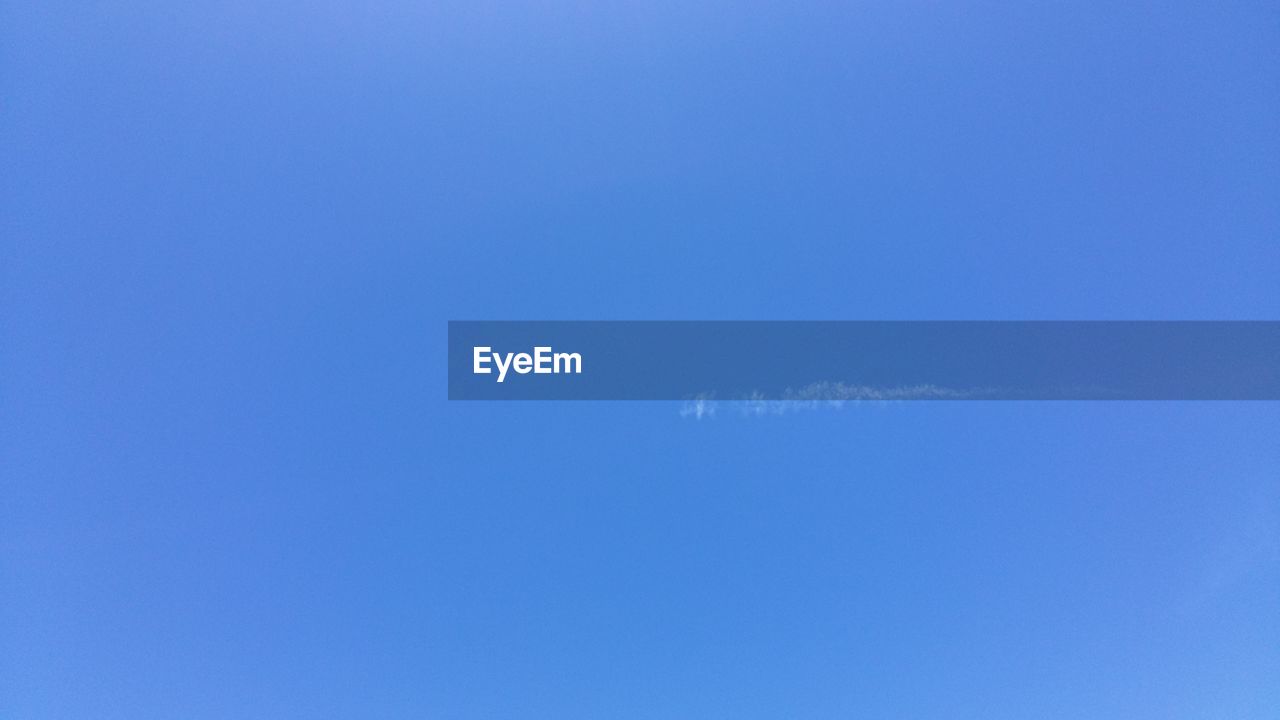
point(232, 235)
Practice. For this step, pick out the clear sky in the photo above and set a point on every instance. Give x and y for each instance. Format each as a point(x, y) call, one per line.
point(231, 236)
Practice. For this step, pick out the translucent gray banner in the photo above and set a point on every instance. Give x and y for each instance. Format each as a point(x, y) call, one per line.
point(863, 360)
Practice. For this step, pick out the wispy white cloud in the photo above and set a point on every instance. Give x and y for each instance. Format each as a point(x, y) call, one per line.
point(825, 395)
point(698, 408)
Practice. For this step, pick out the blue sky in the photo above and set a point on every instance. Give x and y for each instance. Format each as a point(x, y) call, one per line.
point(233, 236)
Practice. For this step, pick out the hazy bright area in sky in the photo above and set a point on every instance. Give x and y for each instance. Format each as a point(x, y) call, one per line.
point(232, 234)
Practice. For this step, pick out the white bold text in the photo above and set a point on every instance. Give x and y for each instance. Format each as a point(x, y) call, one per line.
point(542, 362)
